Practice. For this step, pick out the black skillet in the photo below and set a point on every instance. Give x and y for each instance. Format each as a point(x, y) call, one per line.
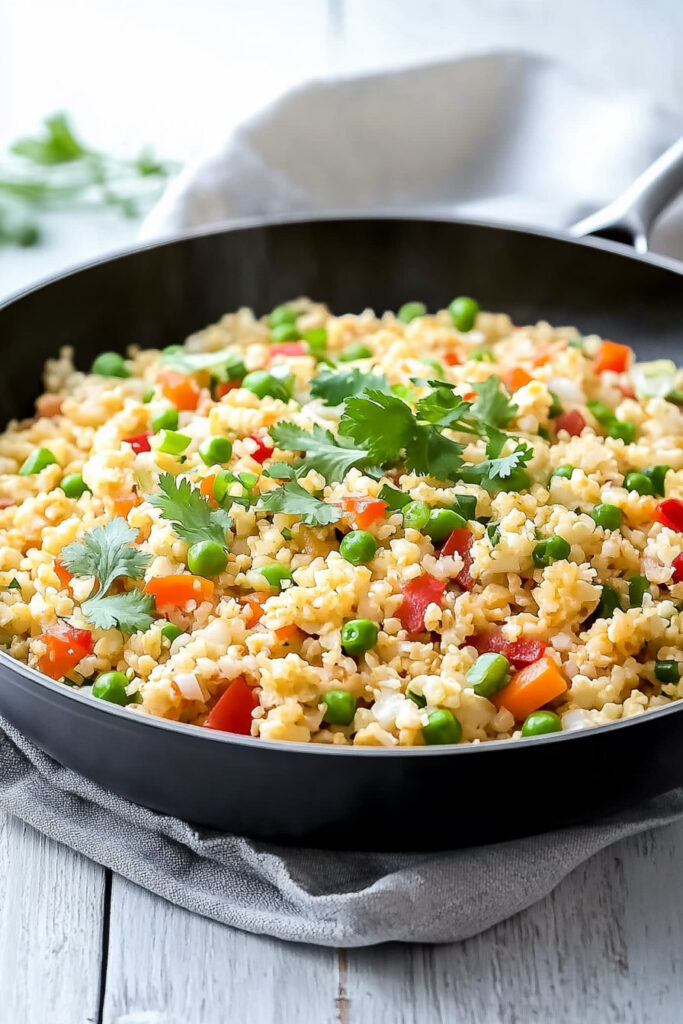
point(359, 798)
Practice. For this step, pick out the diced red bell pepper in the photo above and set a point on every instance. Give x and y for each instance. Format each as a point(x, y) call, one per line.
point(263, 450)
point(572, 421)
point(287, 348)
point(460, 540)
point(63, 574)
point(452, 359)
point(417, 595)
point(222, 388)
point(518, 652)
point(670, 513)
point(677, 566)
point(523, 652)
point(232, 711)
point(612, 356)
point(65, 647)
point(140, 442)
point(363, 510)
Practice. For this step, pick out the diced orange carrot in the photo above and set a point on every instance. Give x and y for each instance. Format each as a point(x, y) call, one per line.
point(547, 352)
point(612, 356)
point(176, 591)
point(179, 388)
point(63, 573)
point(531, 688)
point(286, 632)
point(453, 359)
point(206, 489)
point(517, 378)
point(124, 504)
point(252, 607)
point(362, 510)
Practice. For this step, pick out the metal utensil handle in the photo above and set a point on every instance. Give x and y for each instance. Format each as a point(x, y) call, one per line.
point(633, 213)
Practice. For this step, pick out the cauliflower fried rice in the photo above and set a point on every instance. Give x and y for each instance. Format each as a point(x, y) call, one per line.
point(493, 549)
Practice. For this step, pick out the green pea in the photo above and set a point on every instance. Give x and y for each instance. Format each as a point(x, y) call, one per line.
point(565, 472)
point(465, 505)
point(207, 558)
point(282, 315)
point(74, 485)
point(607, 516)
point(540, 723)
point(602, 412)
point(488, 674)
point(545, 434)
point(442, 727)
point(170, 632)
point(552, 550)
point(248, 480)
point(110, 364)
point(358, 636)
point(463, 312)
point(657, 475)
point(358, 547)
point(275, 575)
point(215, 451)
point(173, 443)
point(410, 311)
point(416, 515)
point(442, 522)
point(356, 351)
point(556, 408)
point(37, 461)
point(394, 498)
point(316, 339)
point(638, 587)
point(675, 396)
point(482, 355)
point(265, 385)
point(340, 707)
point(622, 431)
point(284, 332)
point(608, 604)
point(111, 686)
point(639, 483)
point(165, 419)
point(667, 671)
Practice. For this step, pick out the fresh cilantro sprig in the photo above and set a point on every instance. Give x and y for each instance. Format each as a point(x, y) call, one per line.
point(294, 500)
point(334, 388)
point(492, 406)
point(106, 553)
point(323, 452)
point(189, 511)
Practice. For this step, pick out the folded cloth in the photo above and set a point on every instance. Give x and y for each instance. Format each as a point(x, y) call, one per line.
point(506, 136)
point(503, 136)
point(330, 899)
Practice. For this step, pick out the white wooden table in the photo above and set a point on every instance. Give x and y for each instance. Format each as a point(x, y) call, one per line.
point(79, 945)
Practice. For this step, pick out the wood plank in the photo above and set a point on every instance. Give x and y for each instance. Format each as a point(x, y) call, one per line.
point(167, 966)
point(51, 906)
point(606, 945)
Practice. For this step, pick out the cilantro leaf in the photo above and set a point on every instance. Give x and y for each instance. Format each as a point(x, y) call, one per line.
point(324, 452)
point(382, 424)
point(492, 472)
point(444, 408)
point(128, 612)
point(106, 554)
point(294, 500)
point(189, 511)
point(334, 388)
point(431, 454)
point(492, 406)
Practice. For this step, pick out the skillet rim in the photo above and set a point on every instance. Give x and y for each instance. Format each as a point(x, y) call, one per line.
point(193, 732)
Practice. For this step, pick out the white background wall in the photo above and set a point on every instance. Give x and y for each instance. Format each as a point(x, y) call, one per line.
point(178, 73)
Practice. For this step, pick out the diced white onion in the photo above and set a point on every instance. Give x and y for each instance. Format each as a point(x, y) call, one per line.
point(386, 707)
point(577, 719)
point(655, 379)
point(566, 389)
point(188, 685)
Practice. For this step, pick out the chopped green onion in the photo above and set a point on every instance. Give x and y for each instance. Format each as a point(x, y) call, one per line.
point(394, 498)
point(356, 351)
point(173, 443)
point(608, 604)
point(73, 485)
point(638, 587)
point(416, 698)
point(316, 339)
point(37, 461)
point(282, 315)
point(488, 674)
point(465, 505)
point(410, 311)
point(283, 333)
point(215, 451)
point(166, 419)
point(667, 671)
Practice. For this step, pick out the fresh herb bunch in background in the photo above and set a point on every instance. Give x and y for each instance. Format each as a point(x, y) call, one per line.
point(55, 171)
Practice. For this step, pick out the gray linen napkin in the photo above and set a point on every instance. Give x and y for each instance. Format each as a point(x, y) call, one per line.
point(330, 899)
point(507, 136)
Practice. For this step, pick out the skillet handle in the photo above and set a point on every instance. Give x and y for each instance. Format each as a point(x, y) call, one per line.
point(630, 217)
